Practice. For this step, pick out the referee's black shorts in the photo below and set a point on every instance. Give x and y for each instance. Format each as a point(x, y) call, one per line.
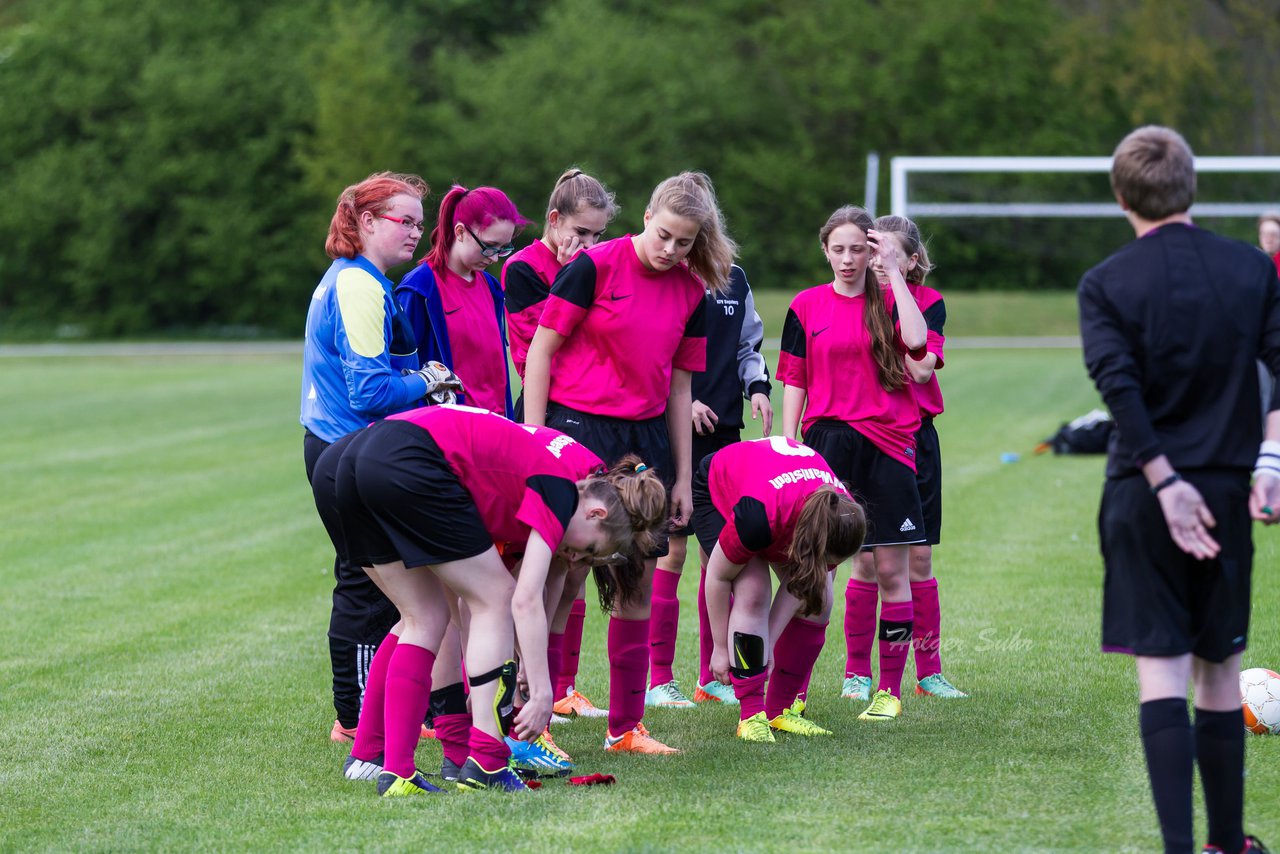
point(929, 480)
point(885, 487)
point(1159, 601)
point(611, 439)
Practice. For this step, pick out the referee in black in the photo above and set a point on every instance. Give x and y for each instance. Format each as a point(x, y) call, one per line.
point(1172, 324)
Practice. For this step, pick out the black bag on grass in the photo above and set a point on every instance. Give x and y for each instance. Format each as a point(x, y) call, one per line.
point(1087, 434)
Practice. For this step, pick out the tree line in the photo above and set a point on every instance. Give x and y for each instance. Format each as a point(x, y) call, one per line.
point(171, 168)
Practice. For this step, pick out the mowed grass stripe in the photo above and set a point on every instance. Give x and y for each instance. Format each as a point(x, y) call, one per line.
point(165, 677)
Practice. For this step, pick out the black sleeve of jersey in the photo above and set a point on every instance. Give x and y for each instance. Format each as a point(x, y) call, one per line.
point(752, 524)
point(793, 335)
point(935, 316)
point(523, 287)
point(560, 495)
point(576, 281)
point(697, 325)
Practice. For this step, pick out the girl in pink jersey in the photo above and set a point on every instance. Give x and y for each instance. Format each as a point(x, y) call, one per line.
point(579, 210)
point(761, 504)
point(845, 381)
point(611, 365)
point(454, 305)
point(422, 501)
point(862, 591)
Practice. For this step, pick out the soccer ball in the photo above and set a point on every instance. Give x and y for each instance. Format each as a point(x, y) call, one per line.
point(1260, 696)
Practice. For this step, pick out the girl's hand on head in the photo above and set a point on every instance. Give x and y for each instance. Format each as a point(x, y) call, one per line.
point(885, 250)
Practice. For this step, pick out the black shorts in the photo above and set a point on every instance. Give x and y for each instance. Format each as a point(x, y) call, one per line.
point(929, 480)
point(361, 611)
point(884, 487)
point(611, 439)
point(323, 474)
point(703, 447)
point(707, 522)
point(1156, 599)
point(399, 500)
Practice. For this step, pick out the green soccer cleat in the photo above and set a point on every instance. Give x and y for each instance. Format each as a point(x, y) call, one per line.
point(938, 686)
point(755, 728)
point(884, 707)
point(392, 786)
point(715, 692)
point(856, 688)
point(791, 721)
point(667, 696)
point(472, 778)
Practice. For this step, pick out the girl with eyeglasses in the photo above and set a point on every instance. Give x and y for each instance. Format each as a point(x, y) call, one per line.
point(579, 210)
point(611, 365)
point(358, 342)
point(454, 305)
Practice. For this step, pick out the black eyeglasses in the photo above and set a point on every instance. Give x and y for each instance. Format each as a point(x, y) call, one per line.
point(491, 250)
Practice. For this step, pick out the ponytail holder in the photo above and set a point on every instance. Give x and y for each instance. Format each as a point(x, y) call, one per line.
point(641, 467)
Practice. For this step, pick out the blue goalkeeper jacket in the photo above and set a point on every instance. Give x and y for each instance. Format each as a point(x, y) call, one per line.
point(358, 341)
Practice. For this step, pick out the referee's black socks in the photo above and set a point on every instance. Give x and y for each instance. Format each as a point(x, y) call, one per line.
point(1168, 744)
point(1220, 755)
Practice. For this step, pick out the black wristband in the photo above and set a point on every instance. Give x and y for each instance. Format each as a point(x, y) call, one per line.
point(1168, 481)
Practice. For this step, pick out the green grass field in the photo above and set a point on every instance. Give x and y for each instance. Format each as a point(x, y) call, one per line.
point(164, 676)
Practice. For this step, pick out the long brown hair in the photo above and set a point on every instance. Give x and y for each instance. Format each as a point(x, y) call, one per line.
point(636, 501)
point(889, 365)
point(830, 529)
point(693, 196)
point(371, 194)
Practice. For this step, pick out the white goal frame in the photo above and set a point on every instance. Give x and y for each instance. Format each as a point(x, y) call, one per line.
point(901, 168)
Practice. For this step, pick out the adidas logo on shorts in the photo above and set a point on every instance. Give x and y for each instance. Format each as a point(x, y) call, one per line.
point(907, 525)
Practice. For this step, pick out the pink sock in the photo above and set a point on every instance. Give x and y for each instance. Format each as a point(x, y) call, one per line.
point(490, 753)
point(572, 647)
point(893, 653)
point(750, 693)
point(663, 623)
point(926, 628)
point(453, 732)
point(628, 666)
point(859, 626)
point(793, 657)
point(408, 695)
point(705, 641)
point(370, 733)
point(555, 658)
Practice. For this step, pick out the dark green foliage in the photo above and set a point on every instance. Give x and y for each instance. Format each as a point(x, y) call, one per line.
point(171, 168)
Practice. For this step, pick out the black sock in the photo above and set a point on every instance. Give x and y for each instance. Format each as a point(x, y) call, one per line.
point(1167, 741)
point(1220, 755)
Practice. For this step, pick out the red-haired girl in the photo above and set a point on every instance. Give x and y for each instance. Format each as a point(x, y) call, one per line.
point(454, 305)
point(842, 368)
point(771, 502)
point(611, 365)
point(357, 343)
